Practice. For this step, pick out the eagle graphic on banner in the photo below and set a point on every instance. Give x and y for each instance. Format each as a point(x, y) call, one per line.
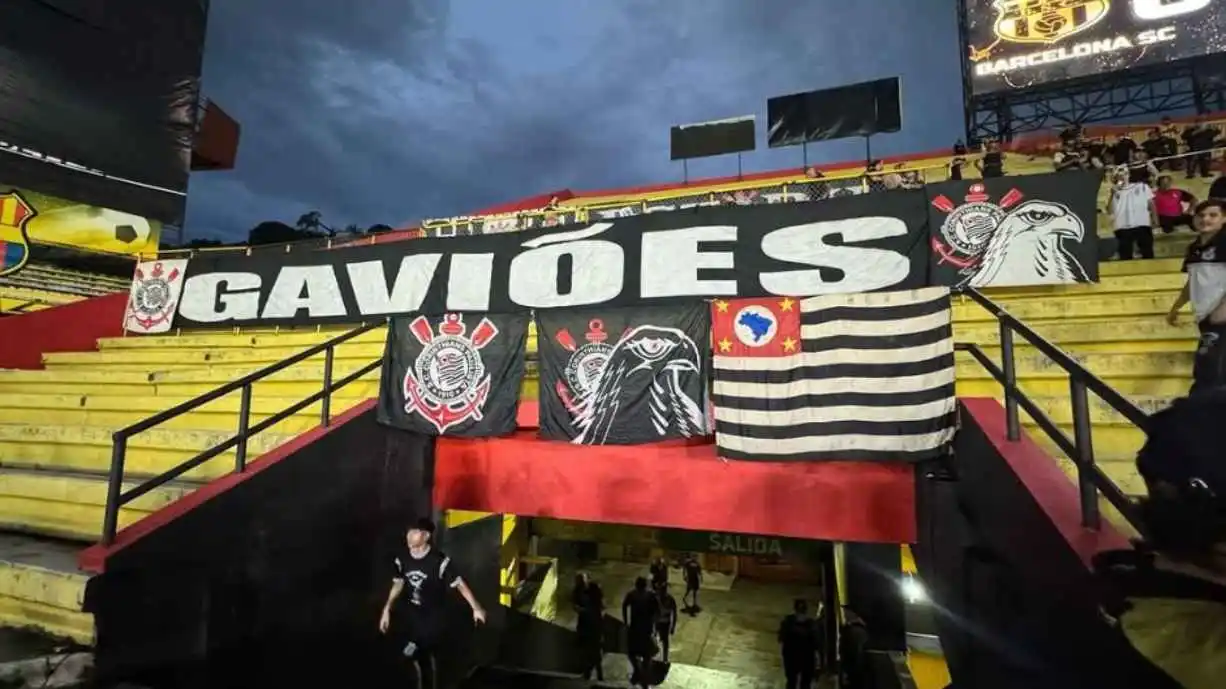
point(624, 376)
point(651, 353)
point(1009, 241)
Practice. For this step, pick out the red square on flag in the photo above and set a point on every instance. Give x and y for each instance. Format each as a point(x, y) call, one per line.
point(755, 327)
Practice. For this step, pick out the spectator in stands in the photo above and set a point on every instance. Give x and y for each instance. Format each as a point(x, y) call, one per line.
point(1131, 206)
point(956, 165)
point(1199, 138)
point(959, 148)
point(813, 173)
point(879, 180)
point(1217, 190)
point(589, 628)
point(1119, 151)
point(1097, 152)
point(1205, 289)
point(1167, 597)
point(1173, 205)
point(1072, 136)
point(1154, 145)
point(908, 179)
point(1070, 157)
point(1141, 168)
point(1168, 130)
point(992, 162)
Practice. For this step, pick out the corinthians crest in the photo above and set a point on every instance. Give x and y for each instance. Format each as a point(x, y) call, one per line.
point(585, 364)
point(447, 383)
point(969, 227)
point(155, 289)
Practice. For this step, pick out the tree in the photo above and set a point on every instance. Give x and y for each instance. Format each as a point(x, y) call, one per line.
point(378, 228)
point(275, 232)
point(352, 228)
point(311, 222)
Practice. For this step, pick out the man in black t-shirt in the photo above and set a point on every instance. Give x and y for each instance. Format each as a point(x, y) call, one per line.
point(640, 610)
point(424, 574)
point(666, 619)
point(800, 640)
point(659, 572)
point(693, 581)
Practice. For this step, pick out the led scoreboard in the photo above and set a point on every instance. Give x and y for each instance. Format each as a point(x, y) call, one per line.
point(1019, 43)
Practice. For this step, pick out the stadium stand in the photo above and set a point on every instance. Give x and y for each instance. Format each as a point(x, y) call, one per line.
point(56, 423)
point(39, 286)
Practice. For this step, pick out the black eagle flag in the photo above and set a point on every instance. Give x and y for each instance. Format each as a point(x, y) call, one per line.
point(1015, 231)
point(624, 376)
point(454, 374)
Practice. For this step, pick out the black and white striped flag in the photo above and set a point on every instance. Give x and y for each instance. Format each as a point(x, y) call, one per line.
point(835, 377)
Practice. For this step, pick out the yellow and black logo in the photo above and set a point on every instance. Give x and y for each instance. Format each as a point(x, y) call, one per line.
point(14, 244)
point(1046, 21)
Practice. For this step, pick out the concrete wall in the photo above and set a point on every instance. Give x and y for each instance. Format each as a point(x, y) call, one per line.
point(277, 580)
point(1015, 604)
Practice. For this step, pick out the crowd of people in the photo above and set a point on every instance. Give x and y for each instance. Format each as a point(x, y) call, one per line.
point(650, 614)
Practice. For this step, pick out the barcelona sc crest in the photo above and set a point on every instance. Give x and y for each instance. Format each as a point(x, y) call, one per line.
point(14, 245)
point(1046, 21)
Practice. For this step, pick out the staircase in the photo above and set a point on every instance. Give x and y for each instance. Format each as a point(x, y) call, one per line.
point(56, 424)
point(1117, 329)
point(55, 444)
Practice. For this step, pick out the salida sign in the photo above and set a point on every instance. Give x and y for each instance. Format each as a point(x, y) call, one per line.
point(739, 544)
point(854, 244)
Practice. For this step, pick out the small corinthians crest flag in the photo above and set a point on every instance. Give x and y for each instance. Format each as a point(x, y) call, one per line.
point(454, 374)
point(624, 376)
point(154, 295)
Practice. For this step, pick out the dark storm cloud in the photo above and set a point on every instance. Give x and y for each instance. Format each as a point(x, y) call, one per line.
point(394, 110)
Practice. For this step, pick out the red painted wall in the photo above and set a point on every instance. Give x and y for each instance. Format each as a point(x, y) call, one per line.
point(72, 327)
point(676, 485)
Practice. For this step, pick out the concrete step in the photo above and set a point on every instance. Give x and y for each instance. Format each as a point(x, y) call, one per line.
point(69, 506)
point(41, 585)
point(120, 411)
point(1036, 310)
point(254, 357)
point(88, 449)
point(1115, 336)
point(1109, 284)
point(1158, 266)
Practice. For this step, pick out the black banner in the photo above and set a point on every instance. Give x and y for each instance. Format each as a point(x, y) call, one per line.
point(847, 244)
point(99, 94)
point(453, 374)
point(624, 376)
point(1015, 231)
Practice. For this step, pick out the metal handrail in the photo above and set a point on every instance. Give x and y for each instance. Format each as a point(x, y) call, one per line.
point(116, 497)
point(1080, 449)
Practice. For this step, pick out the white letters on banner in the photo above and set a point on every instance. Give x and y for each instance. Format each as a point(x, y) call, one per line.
point(781, 253)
